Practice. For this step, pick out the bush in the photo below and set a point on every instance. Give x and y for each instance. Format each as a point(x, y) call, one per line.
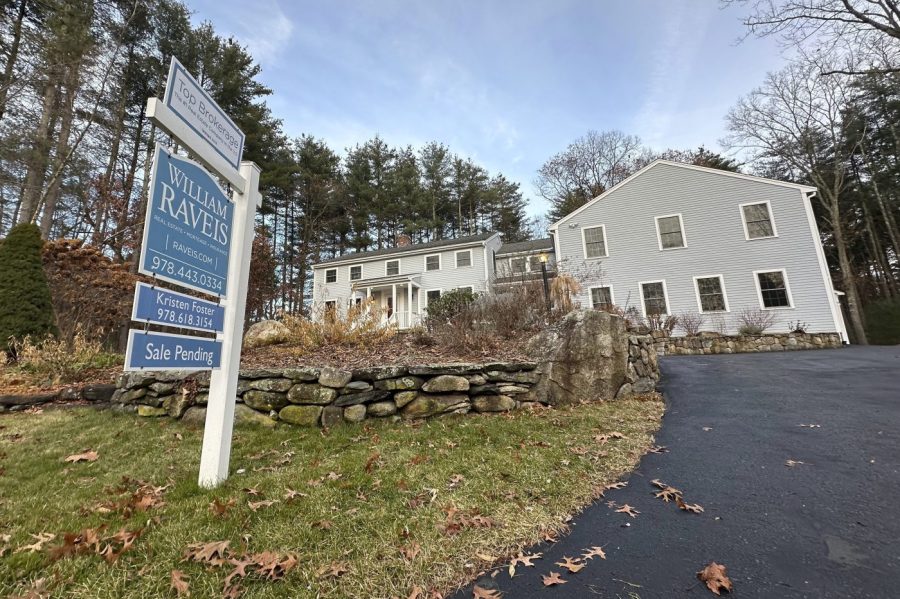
point(360, 325)
point(26, 308)
point(690, 323)
point(448, 308)
point(883, 322)
point(60, 360)
point(755, 321)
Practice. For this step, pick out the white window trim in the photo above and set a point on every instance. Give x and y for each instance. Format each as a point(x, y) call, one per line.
point(787, 288)
point(386, 267)
point(456, 258)
point(612, 294)
point(327, 270)
point(771, 220)
point(350, 272)
point(425, 262)
point(665, 295)
point(425, 293)
point(512, 271)
point(584, 243)
point(724, 294)
point(471, 288)
point(659, 235)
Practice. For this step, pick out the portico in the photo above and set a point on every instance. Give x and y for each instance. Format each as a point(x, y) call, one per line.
point(398, 297)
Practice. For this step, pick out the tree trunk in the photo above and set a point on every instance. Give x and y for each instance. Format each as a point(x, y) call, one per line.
point(885, 280)
point(51, 197)
point(848, 282)
point(142, 202)
point(9, 68)
point(39, 156)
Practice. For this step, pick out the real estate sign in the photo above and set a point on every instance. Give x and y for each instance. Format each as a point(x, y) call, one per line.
point(162, 306)
point(190, 102)
point(151, 350)
point(187, 228)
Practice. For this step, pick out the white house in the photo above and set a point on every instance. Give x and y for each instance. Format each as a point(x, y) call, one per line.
point(675, 238)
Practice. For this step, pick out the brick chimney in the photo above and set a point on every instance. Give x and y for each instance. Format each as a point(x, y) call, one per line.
point(403, 240)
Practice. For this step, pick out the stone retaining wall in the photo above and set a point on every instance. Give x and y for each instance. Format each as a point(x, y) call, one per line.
point(75, 393)
point(714, 343)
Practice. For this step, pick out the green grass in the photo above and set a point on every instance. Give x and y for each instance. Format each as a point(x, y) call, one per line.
point(525, 471)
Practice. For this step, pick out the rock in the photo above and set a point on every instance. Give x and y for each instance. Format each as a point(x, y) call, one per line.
point(334, 377)
point(513, 389)
point(147, 400)
point(98, 392)
point(583, 358)
point(311, 393)
point(332, 416)
point(151, 412)
point(301, 415)
point(247, 416)
point(476, 379)
point(133, 380)
point(355, 387)
point(194, 417)
point(446, 383)
point(511, 366)
point(377, 373)
point(358, 398)
point(529, 378)
point(162, 388)
point(244, 385)
point(380, 409)
point(404, 397)
point(201, 399)
point(484, 390)
point(644, 385)
point(624, 391)
point(356, 413)
point(176, 376)
point(456, 369)
point(493, 403)
point(430, 405)
point(266, 332)
point(404, 383)
point(71, 393)
point(274, 385)
point(265, 401)
point(177, 405)
point(302, 373)
point(130, 396)
point(260, 373)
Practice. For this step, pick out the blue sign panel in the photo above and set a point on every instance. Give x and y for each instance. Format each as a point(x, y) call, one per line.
point(187, 230)
point(161, 306)
point(149, 350)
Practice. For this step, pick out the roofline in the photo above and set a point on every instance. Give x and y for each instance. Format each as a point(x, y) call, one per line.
point(431, 250)
point(705, 169)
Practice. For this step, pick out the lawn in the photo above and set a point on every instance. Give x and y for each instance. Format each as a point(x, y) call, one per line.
point(377, 510)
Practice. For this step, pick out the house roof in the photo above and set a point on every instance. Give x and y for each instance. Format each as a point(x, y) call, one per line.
point(417, 247)
point(706, 169)
point(532, 245)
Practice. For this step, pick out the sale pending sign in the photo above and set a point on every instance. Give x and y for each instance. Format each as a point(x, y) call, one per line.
point(187, 229)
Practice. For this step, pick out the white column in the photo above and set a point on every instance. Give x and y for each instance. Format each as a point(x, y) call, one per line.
point(409, 304)
point(216, 451)
point(394, 298)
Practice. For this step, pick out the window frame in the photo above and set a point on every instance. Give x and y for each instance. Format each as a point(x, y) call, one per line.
point(512, 270)
point(425, 263)
point(456, 259)
point(612, 296)
point(665, 296)
point(768, 204)
point(350, 272)
point(584, 243)
point(684, 240)
point(471, 288)
point(386, 263)
point(787, 289)
point(724, 294)
point(440, 290)
point(328, 270)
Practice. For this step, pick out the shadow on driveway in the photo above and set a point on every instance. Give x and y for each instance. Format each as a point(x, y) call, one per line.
point(828, 527)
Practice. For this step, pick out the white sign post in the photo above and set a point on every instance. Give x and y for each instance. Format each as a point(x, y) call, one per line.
point(191, 116)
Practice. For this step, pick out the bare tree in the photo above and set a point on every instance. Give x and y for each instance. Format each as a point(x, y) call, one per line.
point(797, 119)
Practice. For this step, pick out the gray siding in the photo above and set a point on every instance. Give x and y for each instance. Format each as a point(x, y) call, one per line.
point(716, 245)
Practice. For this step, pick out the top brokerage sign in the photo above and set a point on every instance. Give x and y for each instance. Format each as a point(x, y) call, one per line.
point(196, 108)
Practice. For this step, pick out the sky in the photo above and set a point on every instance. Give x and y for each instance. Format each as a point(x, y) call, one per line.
point(508, 83)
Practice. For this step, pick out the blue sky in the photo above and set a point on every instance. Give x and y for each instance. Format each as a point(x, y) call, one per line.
point(507, 83)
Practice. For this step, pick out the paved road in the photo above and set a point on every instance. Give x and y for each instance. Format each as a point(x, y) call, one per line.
point(827, 528)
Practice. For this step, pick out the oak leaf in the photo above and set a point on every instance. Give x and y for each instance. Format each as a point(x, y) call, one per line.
point(619, 485)
point(552, 579)
point(256, 505)
point(40, 539)
point(480, 593)
point(572, 565)
point(212, 552)
point(333, 570)
point(593, 552)
point(410, 551)
point(694, 508)
point(220, 509)
point(627, 509)
point(715, 577)
point(290, 494)
point(180, 583)
point(88, 456)
point(669, 494)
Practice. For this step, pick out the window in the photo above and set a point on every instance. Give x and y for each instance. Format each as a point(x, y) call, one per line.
point(534, 263)
point(594, 242)
point(671, 232)
point(653, 296)
point(433, 262)
point(330, 313)
point(773, 289)
point(601, 298)
point(517, 265)
point(711, 293)
point(331, 275)
point(432, 295)
point(469, 288)
point(758, 223)
point(392, 268)
point(355, 273)
point(463, 258)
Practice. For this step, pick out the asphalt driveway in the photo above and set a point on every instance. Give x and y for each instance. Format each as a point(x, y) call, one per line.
point(825, 528)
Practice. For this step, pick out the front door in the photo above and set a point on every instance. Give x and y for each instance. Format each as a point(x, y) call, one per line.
point(390, 306)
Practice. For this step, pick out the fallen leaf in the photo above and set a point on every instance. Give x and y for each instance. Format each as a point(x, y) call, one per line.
point(252, 491)
point(372, 462)
point(594, 552)
point(256, 505)
point(333, 570)
point(290, 494)
point(480, 593)
point(669, 494)
point(455, 481)
point(572, 565)
point(618, 485)
point(552, 579)
point(627, 509)
point(220, 509)
point(715, 577)
point(792, 463)
point(41, 539)
point(213, 552)
point(180, 584)
point(695, 508)
point(323, 524)
point(410, 551)
point(659, 449)
point(88, 456)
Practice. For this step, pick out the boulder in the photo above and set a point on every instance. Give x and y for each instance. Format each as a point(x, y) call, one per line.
point(493, 403)
point(377, 373)
point(358, 398)
point(301, 415)
point(356, 387)
point(130, 396)
point(356, 413)
point(195, 417)
point(334, 377)
point(201, 399)
point(265, 401)
point(529, 377)
point(484, 390)
point(431, 405)
point(260, 373)
point(177, 405)
point(246, 416)
point(132, 380)
point(266, 332)
point(404, 383)
point(98, 392)
point(434, 369)
point(274, 385)
point(582, 358)
point(302, 373)
point(511, 366)
point(331, 416)
point(311, 393)
point(512, 389)
point(151, 412)
point(445, 383)
point(476, 379)
point(404, 397)
point(380, 409)
point(162, 388)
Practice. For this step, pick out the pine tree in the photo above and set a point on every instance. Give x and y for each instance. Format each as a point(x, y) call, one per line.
point(25, 305)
